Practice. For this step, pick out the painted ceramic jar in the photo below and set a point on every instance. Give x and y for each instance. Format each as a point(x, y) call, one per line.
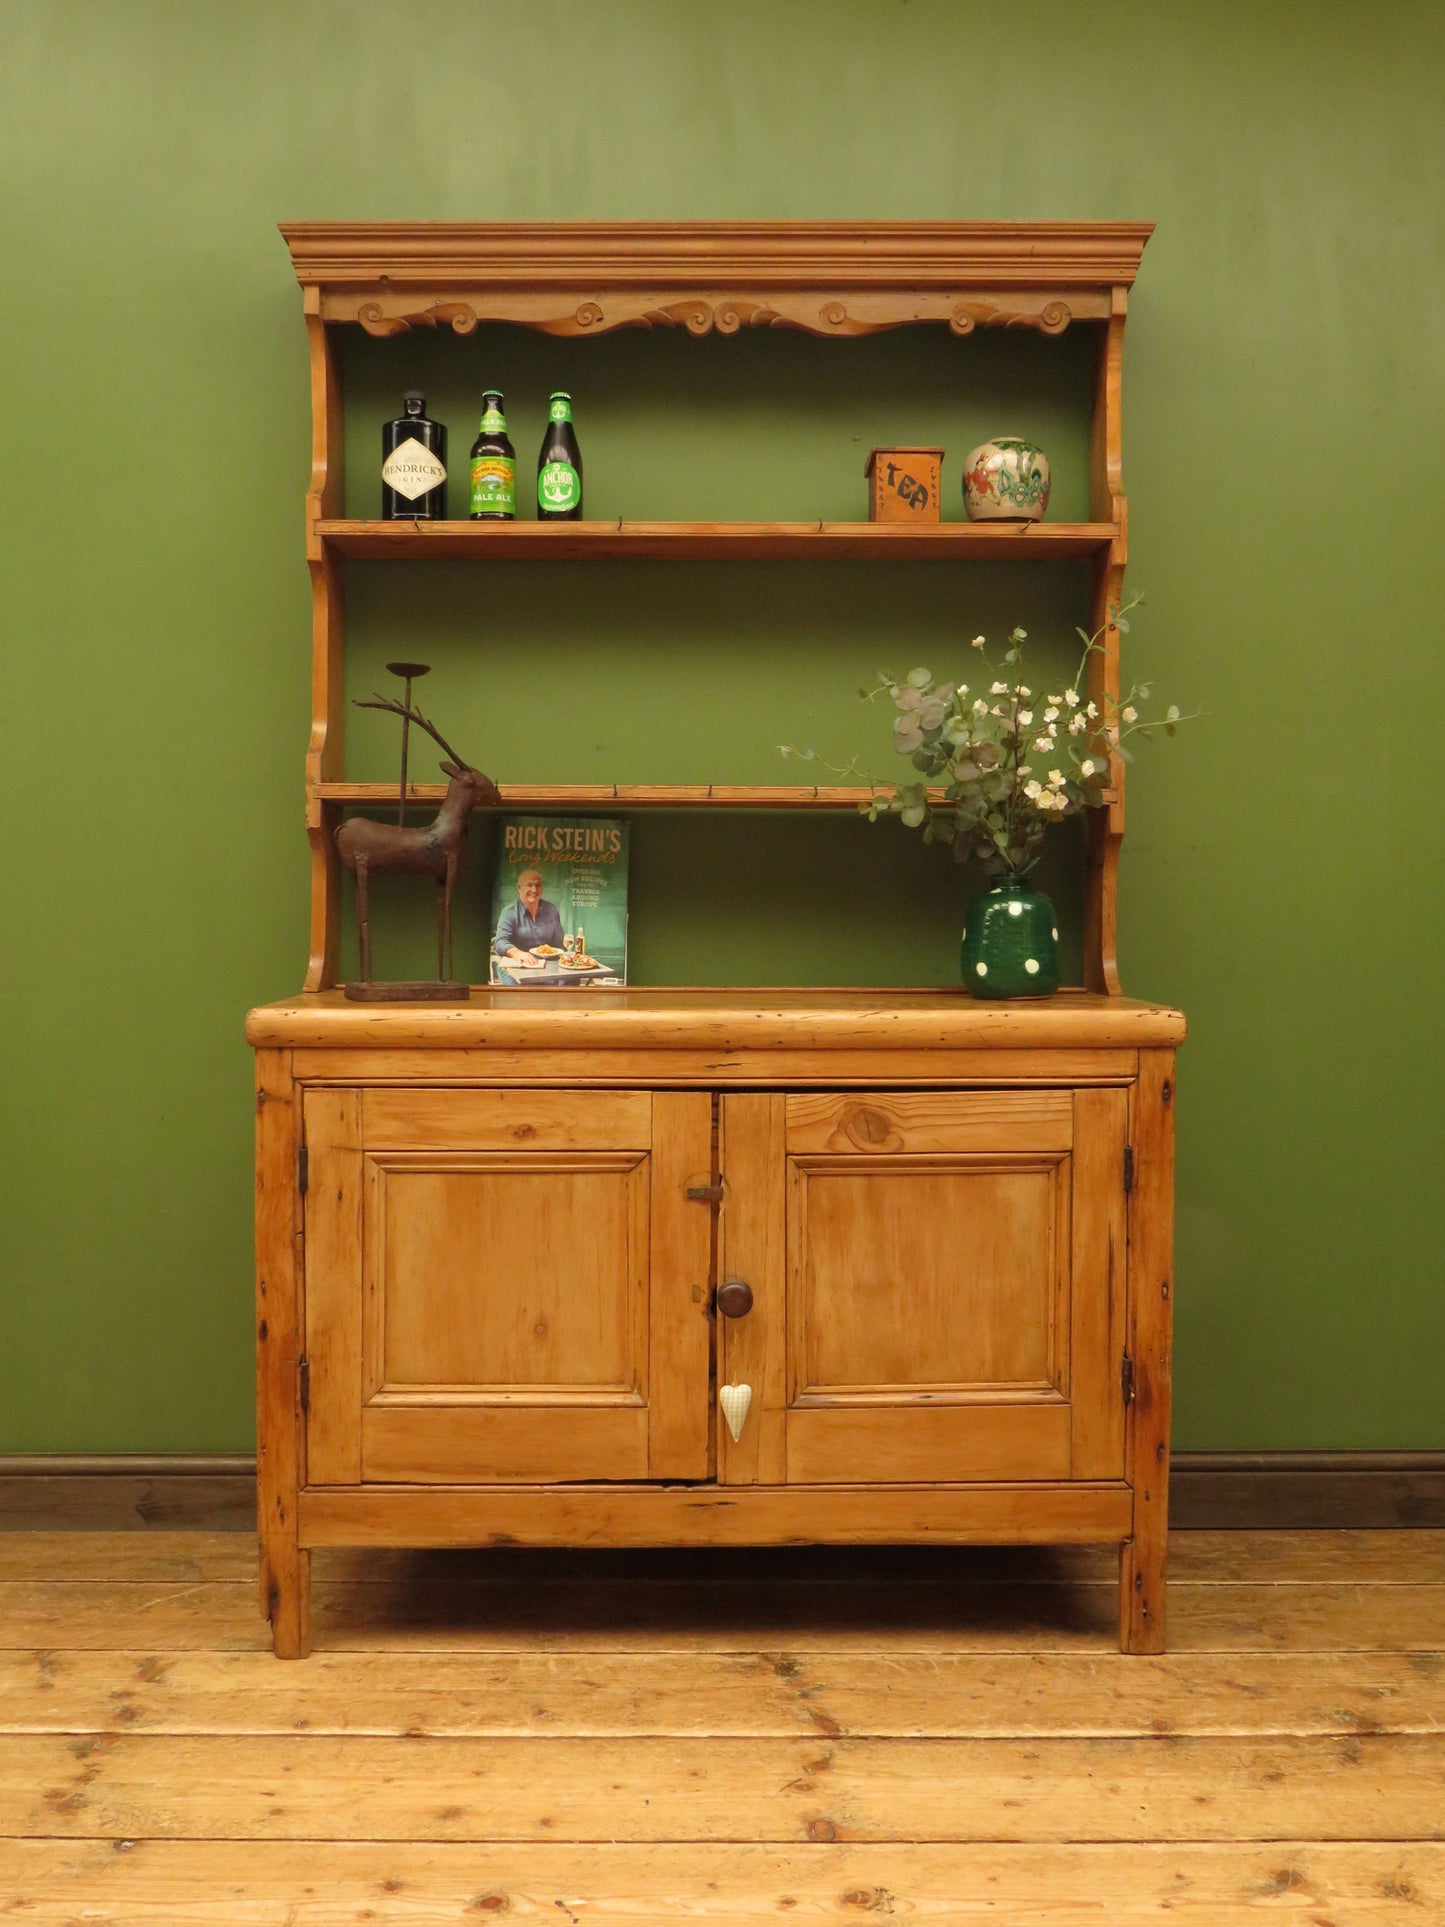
point(1011, 942)
point(1006, 480)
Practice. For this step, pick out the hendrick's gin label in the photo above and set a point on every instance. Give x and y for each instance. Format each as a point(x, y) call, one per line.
point(413, 465)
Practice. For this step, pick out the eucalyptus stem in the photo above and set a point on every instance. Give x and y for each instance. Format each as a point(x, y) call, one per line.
point(976, 752)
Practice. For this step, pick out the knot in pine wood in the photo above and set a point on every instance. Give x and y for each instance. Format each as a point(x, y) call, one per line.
point(870, 1128)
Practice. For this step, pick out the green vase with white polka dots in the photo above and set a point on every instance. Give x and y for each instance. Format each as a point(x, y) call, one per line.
point(1011, 942)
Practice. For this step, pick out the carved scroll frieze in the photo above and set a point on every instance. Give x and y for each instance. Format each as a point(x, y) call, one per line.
point(1049, 317)
point(391, 311)
point(399, 314)
point(699, 314)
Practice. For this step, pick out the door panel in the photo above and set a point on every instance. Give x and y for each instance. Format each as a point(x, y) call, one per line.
point(494, 1280)
point(950, 1267)
point(561, 1244)
point(951, 1284)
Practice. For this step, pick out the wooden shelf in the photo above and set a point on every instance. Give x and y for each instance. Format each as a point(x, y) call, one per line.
point(720, 541)
point(735, 1018)
point(627, 796)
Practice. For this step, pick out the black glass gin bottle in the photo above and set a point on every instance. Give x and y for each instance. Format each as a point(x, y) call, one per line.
point(413, 465)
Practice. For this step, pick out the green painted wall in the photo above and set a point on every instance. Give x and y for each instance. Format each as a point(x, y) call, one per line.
point(1284, 418)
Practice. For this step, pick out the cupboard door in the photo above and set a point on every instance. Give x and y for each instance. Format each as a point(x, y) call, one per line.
point(949, 1290)
point(506, 1285)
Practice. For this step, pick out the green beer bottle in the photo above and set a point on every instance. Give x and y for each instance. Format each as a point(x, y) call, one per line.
point(494, 465)
point(559, 465)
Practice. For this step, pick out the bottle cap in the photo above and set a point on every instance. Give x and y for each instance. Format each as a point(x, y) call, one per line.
point(414, 395)
point(560, 394)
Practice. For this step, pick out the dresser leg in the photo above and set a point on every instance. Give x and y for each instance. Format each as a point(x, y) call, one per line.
point(289, 1602)
point(280, 1342)
point(1141, 1596)
point(1149, 1348)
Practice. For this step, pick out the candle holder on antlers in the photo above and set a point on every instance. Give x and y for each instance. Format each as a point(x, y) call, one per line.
point(367, 847)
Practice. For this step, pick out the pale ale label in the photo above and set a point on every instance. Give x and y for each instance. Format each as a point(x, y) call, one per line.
point(494, 422)
point(412, 470)
point(494, 485)
point(558, 484)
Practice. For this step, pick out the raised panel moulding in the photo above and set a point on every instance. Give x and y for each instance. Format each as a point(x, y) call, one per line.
point(830, 278)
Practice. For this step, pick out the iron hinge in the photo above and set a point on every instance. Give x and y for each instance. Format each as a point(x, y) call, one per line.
point(1128, 1168)
point(303, 1373)
point(303, 1169)
point(1126, 1379)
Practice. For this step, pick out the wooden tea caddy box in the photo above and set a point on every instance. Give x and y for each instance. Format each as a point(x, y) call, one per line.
point(931, 1235)
point(903, 484)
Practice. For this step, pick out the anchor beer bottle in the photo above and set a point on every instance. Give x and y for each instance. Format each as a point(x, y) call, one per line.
point(494, 465)
point(413, 465)
point(559, 465)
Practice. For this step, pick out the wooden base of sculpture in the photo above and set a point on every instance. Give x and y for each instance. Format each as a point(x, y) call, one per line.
point(424, 993)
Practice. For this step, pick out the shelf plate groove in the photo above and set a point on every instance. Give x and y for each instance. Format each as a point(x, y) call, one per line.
point(719, 541)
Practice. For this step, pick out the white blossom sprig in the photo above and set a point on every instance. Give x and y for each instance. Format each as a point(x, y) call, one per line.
point(976, 749)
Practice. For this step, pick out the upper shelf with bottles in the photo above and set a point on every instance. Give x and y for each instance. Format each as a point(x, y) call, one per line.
point(828, 280)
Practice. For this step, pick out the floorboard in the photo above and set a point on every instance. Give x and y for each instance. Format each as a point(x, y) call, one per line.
point(723, 1616)
point(946, 1734)
point(765, 1694)
point(226, 1884)
point(1195, 1558)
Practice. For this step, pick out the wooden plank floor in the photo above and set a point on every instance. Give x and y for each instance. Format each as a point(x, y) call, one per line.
point(638, 1739)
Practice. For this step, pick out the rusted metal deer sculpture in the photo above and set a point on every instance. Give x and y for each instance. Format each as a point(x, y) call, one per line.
point(430, 849)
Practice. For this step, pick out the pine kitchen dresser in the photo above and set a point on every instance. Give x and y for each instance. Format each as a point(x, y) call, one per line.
point(508, 1252)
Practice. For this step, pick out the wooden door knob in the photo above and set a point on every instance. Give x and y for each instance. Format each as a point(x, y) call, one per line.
point(735, 1298)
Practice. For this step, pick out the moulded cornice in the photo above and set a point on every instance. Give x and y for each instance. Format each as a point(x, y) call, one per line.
point(828, 277)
